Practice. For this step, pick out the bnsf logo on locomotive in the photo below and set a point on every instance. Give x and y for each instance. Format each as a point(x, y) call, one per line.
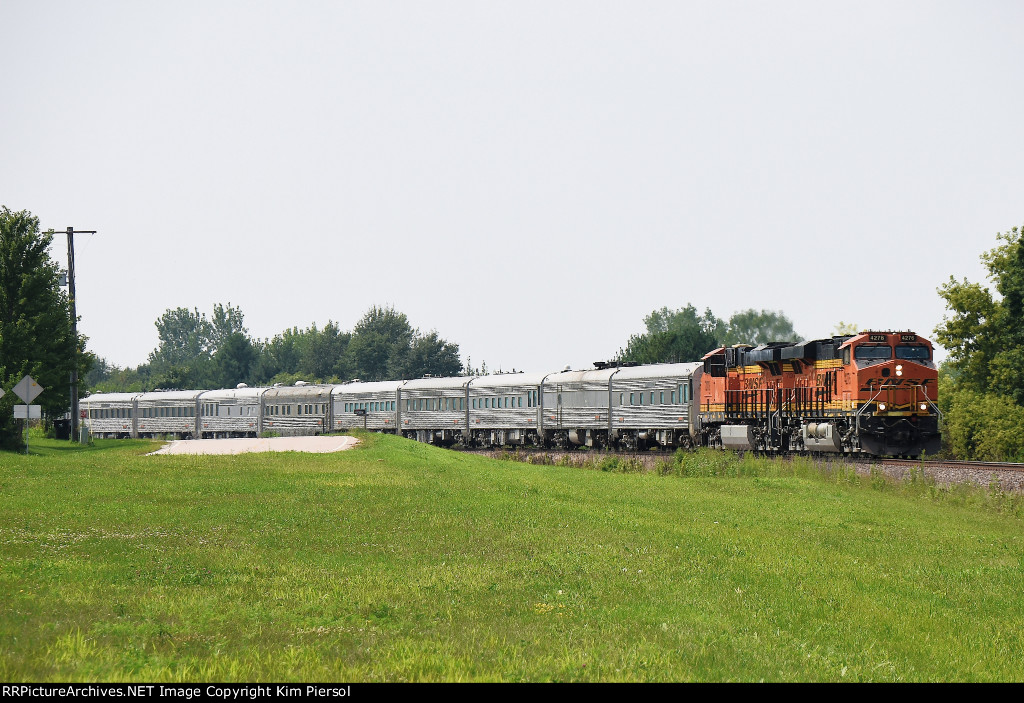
point(875, 383)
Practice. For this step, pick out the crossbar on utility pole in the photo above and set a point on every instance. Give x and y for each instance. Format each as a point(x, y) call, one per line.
point(74, 328)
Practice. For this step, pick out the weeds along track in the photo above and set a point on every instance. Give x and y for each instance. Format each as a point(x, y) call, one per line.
point(1007, 476)
point(950, 464)
point(637, 461)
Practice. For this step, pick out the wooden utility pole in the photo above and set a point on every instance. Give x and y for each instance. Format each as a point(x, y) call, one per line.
point(74, 329)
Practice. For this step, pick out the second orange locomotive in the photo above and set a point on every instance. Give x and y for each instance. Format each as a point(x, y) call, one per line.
point(872, 393)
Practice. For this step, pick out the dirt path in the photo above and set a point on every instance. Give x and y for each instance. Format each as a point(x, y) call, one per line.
point(315, 445)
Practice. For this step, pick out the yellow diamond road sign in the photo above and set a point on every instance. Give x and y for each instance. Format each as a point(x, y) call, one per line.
point(27, 389)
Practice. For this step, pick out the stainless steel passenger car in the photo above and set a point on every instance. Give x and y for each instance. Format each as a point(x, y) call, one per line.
point(635, 406)
point(110, 415)
point(651, 405)
point(297, 410)
point(379, 400)
point(434, 410)
point(168, 413)
point(575, 407)
point(505, 409)
point(234, 412)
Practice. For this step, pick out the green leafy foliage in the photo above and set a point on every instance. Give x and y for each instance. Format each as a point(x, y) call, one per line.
point(199, 352)
point(982, 386)
point(233, 361)
point(982, 426)
point(686, 335)
point(758, 327)
point(35, 322)
point(216, 352)
point(673, 336)
point(380, 344)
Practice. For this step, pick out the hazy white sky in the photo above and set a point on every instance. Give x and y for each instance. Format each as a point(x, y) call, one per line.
point(528, 178)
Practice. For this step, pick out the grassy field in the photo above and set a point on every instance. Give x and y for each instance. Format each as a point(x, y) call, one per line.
point(398, 561)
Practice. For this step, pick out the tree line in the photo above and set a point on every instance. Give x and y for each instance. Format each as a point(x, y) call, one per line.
point(196, 351)
point(685, 334)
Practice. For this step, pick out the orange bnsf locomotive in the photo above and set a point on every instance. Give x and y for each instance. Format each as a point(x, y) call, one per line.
point(872, 393)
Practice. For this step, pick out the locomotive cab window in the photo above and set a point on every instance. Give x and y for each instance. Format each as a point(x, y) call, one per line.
point(914, 352)
point(872, 352)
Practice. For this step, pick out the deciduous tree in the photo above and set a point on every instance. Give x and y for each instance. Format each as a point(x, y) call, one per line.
point(982, 381)
point(757, 327)
point(35, 322)
point(984, 335)
point(673, 336)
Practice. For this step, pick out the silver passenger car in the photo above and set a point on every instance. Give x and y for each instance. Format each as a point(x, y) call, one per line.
point(110, 415)
point(575, 407)
point(505, 409)
point(168, 413)
point(651, 404)
point(379, 400)
point(297, 410)
point(233, 412)
point(632, 406)
point(434, 410)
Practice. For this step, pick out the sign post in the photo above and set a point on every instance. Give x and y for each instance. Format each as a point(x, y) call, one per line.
point(28, 390)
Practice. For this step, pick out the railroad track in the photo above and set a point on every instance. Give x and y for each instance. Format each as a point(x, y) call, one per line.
point(1010, 477)
point(656, 454)
point(650, 458)
point(950, 464)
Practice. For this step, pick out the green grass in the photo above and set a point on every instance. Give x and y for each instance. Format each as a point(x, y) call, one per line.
point(397, 561)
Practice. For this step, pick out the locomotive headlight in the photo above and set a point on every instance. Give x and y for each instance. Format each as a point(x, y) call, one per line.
point(881, 406)
point(899, 369)
point(924, 406)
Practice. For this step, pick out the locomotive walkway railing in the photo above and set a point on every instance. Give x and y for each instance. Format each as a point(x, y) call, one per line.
point(788, 402)
point(865, 406)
